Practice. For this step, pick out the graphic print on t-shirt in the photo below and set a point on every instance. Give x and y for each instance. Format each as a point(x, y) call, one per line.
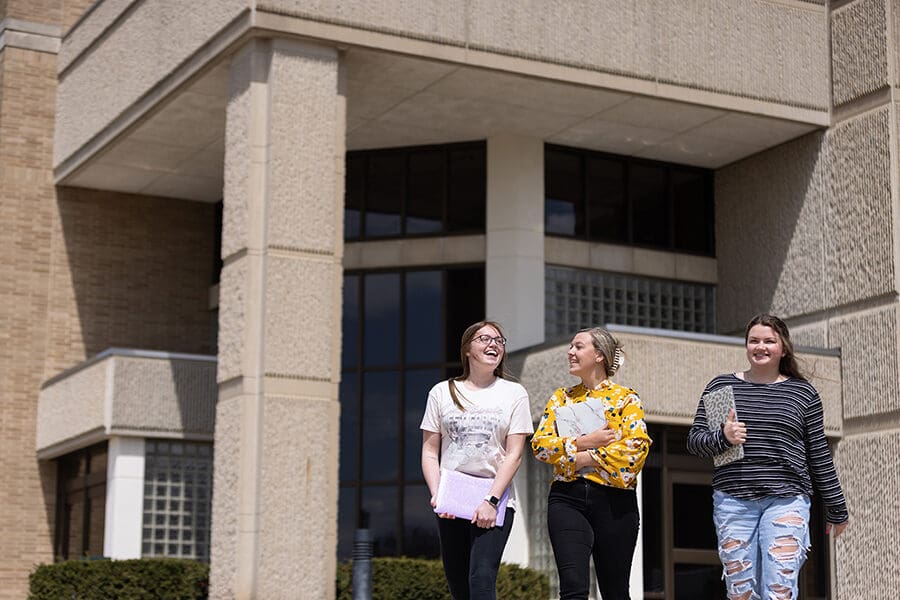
point(472, 438)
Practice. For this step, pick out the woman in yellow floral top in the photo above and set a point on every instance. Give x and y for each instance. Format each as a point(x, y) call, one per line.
point(592, 508)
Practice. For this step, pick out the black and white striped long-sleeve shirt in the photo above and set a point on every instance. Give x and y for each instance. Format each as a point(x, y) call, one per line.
point(785, 453)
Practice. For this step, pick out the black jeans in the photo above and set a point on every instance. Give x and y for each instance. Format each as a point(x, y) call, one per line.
point(471, 556)
point(587, 519)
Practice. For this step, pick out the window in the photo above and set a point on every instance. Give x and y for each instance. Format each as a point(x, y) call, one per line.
point(401, 332)
point(81, 503)
point(416, 191)
point(679, 540)
point(577, 298)
point(177, 499)
point(620, 200)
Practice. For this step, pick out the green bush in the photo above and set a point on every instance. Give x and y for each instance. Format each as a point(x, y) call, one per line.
point(418, 579)
point(142, 579)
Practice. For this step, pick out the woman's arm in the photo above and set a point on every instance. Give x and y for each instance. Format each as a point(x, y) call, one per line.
point(703, 442)
point(821, 466)
point(551, 448)
point(431, 466)
point(623, 458)
point(486, 513)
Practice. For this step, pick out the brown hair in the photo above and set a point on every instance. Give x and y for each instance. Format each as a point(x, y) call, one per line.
point(607, 345)
point(788, 365)
point(464, 345)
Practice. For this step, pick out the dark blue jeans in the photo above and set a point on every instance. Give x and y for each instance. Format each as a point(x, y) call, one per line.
point(586, 519)
point(471, 556)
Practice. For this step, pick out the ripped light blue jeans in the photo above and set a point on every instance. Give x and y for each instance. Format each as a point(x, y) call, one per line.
point(762, 545)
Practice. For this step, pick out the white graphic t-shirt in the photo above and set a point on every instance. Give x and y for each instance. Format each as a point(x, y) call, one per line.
point(473, 441)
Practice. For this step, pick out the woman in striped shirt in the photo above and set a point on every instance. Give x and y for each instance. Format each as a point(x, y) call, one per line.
point(761, 502)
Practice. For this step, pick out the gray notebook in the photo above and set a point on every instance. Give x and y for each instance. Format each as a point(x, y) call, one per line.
point(718, 404)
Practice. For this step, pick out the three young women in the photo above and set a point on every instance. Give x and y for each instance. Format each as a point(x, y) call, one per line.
point(592, 508)
point(476, 424)
point(761, 502)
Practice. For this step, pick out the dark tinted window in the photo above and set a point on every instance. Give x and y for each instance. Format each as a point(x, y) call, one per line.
point(415, 191)
point(650, 204)
point(384, 194)
point(564, 182)
point(468, 189)
point(622, 200)
point(405, 322)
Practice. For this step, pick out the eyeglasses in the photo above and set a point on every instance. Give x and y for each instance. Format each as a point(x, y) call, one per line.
point(486, 339)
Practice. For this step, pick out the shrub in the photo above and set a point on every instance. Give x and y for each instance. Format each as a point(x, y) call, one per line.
point(140, 579)
point(419, 579)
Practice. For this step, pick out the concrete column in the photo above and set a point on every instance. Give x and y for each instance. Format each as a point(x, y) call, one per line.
point(514, 269)
point(276, 479)
point(124, 498)
point(514, 266)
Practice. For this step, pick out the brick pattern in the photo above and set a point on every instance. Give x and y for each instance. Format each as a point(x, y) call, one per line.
point(27, 94)
point(129, 271)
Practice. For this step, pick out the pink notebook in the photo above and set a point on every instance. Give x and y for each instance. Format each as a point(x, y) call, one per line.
point(460, 494)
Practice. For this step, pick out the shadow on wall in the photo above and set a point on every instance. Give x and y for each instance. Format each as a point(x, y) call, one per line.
point(770, 234)
point(129, 271)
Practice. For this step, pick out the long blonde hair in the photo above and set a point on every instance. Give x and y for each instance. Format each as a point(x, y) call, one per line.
point(464, 346)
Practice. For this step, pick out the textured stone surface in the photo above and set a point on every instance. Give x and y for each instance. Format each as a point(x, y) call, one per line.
point(859, 220)
point(291, 479)
point(103, 15)
point(669, 374)
point(279, 323)
point(223, 568)
point(302, 214)
point(869, 350)
point(157, 395)
point(756, 49)
point(859, 49)
point(135, 54)
point(127, 393)
point(232, 318)
point(72, 406)
point(865, 556)
point(776, 262)
point(302, 321)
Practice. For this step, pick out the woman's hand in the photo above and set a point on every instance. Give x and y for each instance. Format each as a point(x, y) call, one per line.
point(599, 438)
point(485, 515)
point(735, 431)
point(837, 528)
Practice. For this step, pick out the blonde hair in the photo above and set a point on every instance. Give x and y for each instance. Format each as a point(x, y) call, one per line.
point(608, 346)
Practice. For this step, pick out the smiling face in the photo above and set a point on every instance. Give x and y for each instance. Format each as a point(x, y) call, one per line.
point(488, 354)
point(764, 348)
point(583, 357)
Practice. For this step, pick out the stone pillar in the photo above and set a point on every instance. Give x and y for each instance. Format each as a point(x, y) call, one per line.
point(862, 270)
point(514, 266)
point(274, 529)
point(514, 271)
point(123, 530)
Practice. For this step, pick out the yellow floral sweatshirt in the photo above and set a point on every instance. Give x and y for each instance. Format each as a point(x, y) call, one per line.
point(618, 464)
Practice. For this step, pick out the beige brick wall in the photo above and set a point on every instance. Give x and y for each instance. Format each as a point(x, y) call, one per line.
point(128, 271)
point(63, 13)
point(27, 93)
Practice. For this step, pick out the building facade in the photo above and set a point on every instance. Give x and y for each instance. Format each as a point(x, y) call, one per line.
point(241, 239)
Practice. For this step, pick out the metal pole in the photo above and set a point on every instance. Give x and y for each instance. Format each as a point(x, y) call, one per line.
point(362, 564)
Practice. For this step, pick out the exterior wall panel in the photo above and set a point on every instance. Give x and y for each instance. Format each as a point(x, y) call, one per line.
point(859, 49)
point(131, 272)
point(770, 233)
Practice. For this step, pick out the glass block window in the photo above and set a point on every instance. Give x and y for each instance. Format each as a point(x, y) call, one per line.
point(578, 298)
point(177, 499)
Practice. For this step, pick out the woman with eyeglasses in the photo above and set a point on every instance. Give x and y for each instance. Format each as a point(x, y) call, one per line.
point(476, 424)
point(592, 508)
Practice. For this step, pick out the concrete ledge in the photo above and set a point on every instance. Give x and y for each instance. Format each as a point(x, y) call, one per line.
point(130, 393)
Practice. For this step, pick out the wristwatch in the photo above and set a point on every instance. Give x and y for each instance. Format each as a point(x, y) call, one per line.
point(493, 500)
